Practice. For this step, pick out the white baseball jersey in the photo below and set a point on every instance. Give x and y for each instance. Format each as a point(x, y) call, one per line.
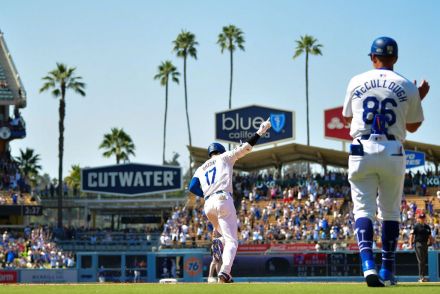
point(381, 91)
point(216, 173)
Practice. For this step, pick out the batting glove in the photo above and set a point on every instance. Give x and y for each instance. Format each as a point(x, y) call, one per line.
point(264, 127)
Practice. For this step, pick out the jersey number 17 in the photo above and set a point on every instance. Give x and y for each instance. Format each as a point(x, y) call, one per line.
point(212, 170)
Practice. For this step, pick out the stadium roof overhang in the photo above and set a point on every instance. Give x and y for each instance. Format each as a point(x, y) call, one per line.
point(278, 155)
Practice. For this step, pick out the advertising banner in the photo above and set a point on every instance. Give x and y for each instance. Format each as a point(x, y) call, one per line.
point(432, 181)
point(49, 276)
point(294, 247)
point(353, 247)
point(310, 259)
point(193, 268)
point(253, 247)
point(240, 124)
point(334, 126)
point(7, 277)
point(131, 179)
point(414, 158)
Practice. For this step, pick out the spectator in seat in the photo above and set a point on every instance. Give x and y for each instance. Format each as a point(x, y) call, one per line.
point(14, 197)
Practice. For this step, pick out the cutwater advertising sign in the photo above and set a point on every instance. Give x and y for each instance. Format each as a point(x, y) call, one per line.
point(240, 124)
point(414, 158)
point(131, 179)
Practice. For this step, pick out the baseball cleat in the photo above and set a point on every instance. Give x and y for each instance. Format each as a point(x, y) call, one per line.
point(212, 280)
point(224, 278)
point(373, 280)
point(370, 274)
point(387, 277)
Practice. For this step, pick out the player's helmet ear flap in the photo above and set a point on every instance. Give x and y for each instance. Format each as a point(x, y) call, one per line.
point(216, 147)
point(384, 46)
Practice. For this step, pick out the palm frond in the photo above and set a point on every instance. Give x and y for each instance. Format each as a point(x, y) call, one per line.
point(118, 144)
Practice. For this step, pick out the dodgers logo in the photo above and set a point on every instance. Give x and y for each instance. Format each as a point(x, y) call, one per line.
point(277, 121)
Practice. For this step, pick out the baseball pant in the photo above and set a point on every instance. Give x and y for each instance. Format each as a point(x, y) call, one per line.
point(376, 178)
point(422, 257)
point(220, 210)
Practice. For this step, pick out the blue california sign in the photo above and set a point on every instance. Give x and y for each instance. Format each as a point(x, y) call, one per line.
point(239, 124)
point(414, 158)
point(131, 179)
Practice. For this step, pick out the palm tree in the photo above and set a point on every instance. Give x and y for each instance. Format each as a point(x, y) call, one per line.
point(308, 45)
point(164, 71)
point(59, 80)
point(174, 160)
point(184, 46)
point(231, 38)
point(73, 180)
point(28, 163)
point(119, 144)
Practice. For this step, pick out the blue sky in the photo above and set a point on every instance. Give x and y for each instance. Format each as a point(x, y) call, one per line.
point(117, 46)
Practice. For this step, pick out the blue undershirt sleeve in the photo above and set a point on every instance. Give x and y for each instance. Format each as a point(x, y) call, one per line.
point(195, 188)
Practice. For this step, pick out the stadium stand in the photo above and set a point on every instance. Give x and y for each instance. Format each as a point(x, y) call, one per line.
point(293, 209)
point(81, 239)
point(11, 88)
point(5, 92)
point(33, 248)
point(13, 188)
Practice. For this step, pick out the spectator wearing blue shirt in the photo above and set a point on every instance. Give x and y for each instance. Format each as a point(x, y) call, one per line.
point(14, 198)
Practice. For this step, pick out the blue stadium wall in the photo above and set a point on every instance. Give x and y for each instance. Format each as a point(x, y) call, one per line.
point(192, 265)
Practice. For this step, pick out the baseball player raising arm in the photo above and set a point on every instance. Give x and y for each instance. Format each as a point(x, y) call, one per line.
point(381, 106)
point(213, 181)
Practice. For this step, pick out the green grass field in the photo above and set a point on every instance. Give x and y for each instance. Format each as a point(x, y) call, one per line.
point(242, 288)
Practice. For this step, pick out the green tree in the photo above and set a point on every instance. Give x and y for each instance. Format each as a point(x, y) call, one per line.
point(73, 180)
point(230, 39)
point(119, 144)
point(308, 45)
point(185, 46)
point(28, 164)
point(174, 160)
point(166, 70)
point(59, 81)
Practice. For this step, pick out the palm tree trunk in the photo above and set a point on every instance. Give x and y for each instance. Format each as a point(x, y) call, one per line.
point(307, 106)
point(187, 115)
point(230, 83)
point(230, 86)
point(62, 112)
point(165, 123)
point(307, 98)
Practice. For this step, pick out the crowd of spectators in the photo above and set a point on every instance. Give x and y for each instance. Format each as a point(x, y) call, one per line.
point(32, 248)
point(11, 179)
point(13, 188)
point(94, 236)
point(294, 208)
point(417, 183)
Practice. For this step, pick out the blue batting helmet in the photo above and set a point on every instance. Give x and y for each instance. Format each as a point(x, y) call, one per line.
point(384, 46)
point(215, 147)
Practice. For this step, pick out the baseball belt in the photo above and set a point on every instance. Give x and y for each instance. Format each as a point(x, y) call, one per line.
point(218, 192)
point(389, 137)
